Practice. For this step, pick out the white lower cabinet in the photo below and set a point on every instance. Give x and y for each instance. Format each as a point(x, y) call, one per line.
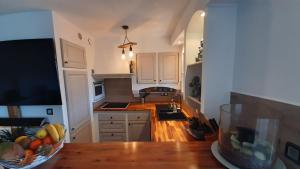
point(139, 131)
point(124, 126)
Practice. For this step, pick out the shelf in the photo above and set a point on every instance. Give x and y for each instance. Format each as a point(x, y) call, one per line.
point(195, 64)
point(194, 99)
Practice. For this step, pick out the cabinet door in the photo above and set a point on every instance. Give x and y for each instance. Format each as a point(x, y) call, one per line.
point(139, 131)
point(83, 134)
point(168, 67)
point(146, 68)
point(77, 100)
point(73, 55)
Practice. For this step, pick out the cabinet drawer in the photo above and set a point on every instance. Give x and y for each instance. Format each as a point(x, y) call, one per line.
point(112, 137)
point(143, 116)
point(112, 126)
point(111, 116)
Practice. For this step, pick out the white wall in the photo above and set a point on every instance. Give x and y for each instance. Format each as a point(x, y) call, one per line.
point(193, 37)
point(68, 31)
point(267, 52)
point(182, 24)
point(26, 25)
point(108, 56)
point(218, 60)
point(29, 25)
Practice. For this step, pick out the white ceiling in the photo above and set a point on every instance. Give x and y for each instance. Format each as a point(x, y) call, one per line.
point(104, 17)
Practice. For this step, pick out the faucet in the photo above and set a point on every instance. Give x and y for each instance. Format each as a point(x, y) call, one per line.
point(174, 106)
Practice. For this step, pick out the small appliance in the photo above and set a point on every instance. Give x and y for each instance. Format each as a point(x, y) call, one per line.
point(99, 91)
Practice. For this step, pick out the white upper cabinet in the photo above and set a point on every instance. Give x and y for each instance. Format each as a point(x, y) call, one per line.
point(168, 63)
point(73, 55)
point(146, 68)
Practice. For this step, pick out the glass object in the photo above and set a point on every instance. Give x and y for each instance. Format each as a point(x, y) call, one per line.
point(248, 135)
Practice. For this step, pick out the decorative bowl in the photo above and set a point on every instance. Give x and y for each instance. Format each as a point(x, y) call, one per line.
point(35, 159)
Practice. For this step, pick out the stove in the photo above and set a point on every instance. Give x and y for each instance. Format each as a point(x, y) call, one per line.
point(115, 105)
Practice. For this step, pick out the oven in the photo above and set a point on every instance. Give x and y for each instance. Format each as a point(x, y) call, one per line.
point(99, 91)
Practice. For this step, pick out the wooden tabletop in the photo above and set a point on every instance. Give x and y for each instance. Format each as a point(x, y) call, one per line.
point(134, 155)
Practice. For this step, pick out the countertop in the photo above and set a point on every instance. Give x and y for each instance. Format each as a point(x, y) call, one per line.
point(134, 155)
point(161, 131)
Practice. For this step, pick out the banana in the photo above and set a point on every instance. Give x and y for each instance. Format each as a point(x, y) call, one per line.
point(53, 133)
point(20, 139)
point(60, 129)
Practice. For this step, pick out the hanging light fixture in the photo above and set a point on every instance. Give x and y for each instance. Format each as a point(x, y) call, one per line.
point(127, 44)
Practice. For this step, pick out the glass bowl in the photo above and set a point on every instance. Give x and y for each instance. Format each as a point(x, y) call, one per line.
point(248, 135)
point(33, 160)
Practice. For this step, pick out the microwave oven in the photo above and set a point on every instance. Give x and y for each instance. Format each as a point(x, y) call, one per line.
point(99, 91)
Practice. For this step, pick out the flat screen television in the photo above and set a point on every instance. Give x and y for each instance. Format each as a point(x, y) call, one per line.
point(28, 73)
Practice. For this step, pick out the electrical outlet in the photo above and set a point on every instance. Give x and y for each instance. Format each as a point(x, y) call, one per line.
point(49, 111)
point(292, 152)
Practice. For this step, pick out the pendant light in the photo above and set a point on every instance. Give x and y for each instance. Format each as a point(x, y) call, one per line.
point(127, 44)
point(123, 54)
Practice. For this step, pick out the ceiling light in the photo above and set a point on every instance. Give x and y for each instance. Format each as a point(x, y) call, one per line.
point(123, 54)
point(130, 52)
point(203, 14)
point(127, 43)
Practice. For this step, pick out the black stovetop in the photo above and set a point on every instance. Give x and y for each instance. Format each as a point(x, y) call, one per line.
point(115, 105)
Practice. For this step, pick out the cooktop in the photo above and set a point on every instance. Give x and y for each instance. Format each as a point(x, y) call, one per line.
point(115, 105)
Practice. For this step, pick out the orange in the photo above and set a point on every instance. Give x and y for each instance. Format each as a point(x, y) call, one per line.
point(35, 144)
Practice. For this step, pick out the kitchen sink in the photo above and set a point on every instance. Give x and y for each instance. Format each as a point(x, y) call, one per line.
point(165, 113)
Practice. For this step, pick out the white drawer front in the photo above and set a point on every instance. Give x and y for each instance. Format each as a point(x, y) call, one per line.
point(112, 126)
point(111, 116)
point(141, 116)
point(112, 137)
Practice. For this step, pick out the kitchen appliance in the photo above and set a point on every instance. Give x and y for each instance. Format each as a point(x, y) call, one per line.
point(248, 135)
point(99, 91)
point(115, 105)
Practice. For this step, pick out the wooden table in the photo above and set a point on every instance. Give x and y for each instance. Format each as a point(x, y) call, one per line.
point(134, 155)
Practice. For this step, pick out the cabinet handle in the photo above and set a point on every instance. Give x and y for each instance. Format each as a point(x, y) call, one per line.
point(72, 129)
point(74, 138)
point(138, 117)
point(111, 122)
point(154, 80)
point(110, 117)
point(66, 62)
point(160, 80)
point(128, 124)
point(112, 134)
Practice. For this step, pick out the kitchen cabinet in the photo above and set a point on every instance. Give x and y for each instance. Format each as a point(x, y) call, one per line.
point(83, 134)
point(146, 68)
point(73, 55)
point(124, 126)
point(139, 126)
point(78, 107)
point(168, 67)
point(112, 126)
point(139, 131)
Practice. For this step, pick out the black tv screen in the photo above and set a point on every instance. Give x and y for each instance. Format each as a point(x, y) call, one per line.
point(28, 73)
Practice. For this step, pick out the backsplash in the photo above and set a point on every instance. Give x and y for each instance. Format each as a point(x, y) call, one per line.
point(289, 129)
point(119, 90)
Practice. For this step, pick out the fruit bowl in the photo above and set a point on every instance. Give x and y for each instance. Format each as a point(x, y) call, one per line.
point(43, 146)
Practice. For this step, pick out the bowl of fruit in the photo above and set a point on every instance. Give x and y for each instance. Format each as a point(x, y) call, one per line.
point(31, 149)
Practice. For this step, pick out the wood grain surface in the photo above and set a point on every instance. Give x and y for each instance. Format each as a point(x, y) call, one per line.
point(163, 131)
point(134, 155)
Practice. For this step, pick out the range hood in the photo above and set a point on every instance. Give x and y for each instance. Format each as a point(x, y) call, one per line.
point(112, 76)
